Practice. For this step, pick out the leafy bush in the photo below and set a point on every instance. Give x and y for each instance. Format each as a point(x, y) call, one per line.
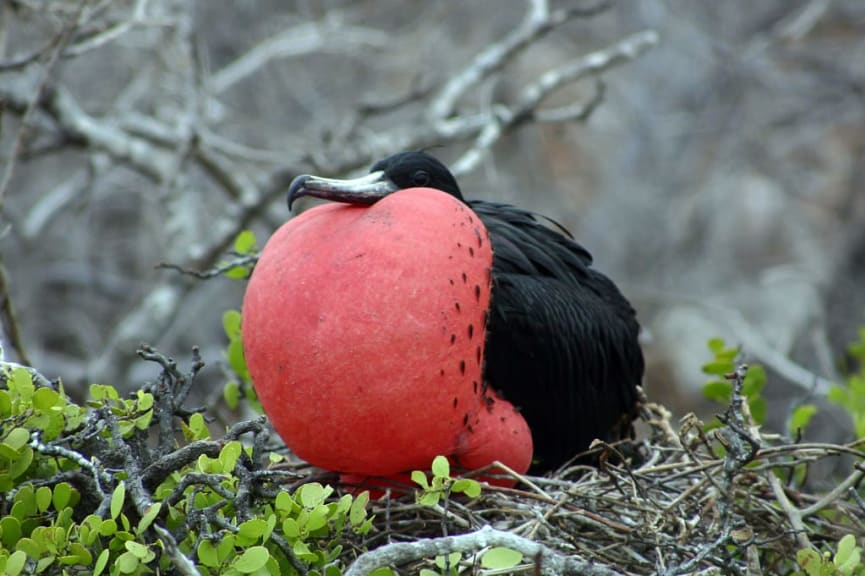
point(136, 485)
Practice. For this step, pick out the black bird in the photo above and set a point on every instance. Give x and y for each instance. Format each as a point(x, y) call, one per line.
point(561, 339)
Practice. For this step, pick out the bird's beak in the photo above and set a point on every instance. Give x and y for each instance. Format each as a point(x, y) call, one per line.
point(365, 190)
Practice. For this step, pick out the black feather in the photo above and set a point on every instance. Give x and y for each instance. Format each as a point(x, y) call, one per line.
point(561, 339)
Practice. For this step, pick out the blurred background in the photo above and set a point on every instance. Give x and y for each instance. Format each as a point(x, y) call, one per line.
point(716, 174)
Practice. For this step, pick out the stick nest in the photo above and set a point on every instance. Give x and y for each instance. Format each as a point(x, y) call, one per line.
point(733, 500)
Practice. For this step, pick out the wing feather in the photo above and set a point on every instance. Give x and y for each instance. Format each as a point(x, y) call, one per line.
point(561, 339)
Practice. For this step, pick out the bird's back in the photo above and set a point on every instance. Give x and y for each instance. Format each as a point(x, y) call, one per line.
point(562, 340)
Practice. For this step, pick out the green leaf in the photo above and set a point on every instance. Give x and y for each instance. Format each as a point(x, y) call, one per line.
point(62, 495)
point(231, 394)
point(44, 563)
point(244, 242)
point(357, 514)
point(5, 404)
point(236, 359)
point(758, 407)
point(145, 400)
point(108, 527)
point(225, 548)
point(101, 562)
point(15, 563)
point(149, 517)
point(136, 549)
point(43, 498)
point(385, 571)
point(117, 499)
point(21, 383)
point(716, 345)
point(207, 554)
point(29, 547)
point(801, 416)
point(441, 467)
point(231, 323)
point(718, 390)
point(467, 486)
point(198, 427)
point(229, 455)
point(429, 498)
point(81, 554)
point(22, 463)
point(17, 438)
point(45, 398)
point(452, 560)
point(419, 478)
point(10, 531)
point(237, 272)
point(311, 495)
point(127, 563)
point(847, 555)
point(283, 502)
point(317, 518)
point(252, 529)
point(302, 551)
point(251, 560)
point(290, 528)
point(500, 558)
point(25, 503)
point(754, 381)
point(718, 367)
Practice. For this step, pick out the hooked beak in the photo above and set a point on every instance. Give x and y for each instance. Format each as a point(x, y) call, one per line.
point(365, 190)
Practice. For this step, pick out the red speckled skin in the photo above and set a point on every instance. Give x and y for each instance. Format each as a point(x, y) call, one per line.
point(363, 329)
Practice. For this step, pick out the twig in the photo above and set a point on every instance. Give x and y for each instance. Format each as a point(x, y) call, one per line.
point(539, 21)
point(237, 261)
point(62, 39)
point(141, 499)
point(8, 320)
point(307, 38)
point(793, 514)
point(830, 498)
point(100, 477)
point(504, 117)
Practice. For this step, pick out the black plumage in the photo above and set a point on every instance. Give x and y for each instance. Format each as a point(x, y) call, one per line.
point(561, 342)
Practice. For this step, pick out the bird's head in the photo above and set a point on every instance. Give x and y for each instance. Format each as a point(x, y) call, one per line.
point(396, 172)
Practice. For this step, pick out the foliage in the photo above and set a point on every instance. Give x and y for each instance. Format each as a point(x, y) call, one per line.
point(720, 389)
point(442, 485)
point(851, 395)
point(846, 560)
point(239, 385)
point(84, 490)
point(245, 251)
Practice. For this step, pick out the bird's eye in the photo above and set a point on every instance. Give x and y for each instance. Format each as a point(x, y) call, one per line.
point(420, 178)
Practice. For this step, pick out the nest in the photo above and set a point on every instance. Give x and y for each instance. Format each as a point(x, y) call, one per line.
point(730, 501)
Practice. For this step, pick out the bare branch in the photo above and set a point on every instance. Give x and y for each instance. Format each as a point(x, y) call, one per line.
point(329, 35)
point(8, 320)
point(548, 561)
point(62, 39)
point(504, 117)
point(538, 22)
point(103, 135)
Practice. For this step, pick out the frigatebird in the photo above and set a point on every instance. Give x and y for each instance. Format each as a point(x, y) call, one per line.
point(556, 342)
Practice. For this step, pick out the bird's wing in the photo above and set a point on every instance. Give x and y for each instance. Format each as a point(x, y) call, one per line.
point(561, 339)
